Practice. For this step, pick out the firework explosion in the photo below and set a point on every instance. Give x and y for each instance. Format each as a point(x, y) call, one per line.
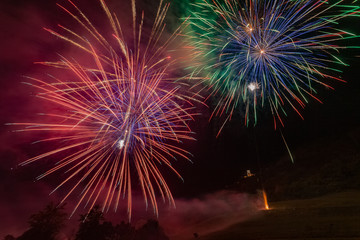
point(122, 113)
point(267, 54)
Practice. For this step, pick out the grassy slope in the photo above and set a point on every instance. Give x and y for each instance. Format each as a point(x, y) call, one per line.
point(321, 166)
point(335, 216)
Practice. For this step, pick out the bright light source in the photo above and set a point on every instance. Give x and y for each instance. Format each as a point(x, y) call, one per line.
point(252, 86)
point(121, 143)
point(249, 28)
point(262, 51)
point(266, 205)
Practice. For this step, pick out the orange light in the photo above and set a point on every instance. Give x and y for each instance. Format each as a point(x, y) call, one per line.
point(266, 205)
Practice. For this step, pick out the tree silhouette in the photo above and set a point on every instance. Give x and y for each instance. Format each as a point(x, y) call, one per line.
point(123, 231)
point(151, 230)
point(90, 226)
point(46, 224)
point(94, 227)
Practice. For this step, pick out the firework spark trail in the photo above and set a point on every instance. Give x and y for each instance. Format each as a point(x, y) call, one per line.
point(123, 113)
point(258, 53)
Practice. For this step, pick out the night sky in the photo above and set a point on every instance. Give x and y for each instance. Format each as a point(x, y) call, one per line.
point(217, 162)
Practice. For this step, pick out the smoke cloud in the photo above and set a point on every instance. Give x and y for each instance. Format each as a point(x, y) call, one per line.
point(209, 213)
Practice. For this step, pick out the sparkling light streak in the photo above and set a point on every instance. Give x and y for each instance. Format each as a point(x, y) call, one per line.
point(266, 205)
point(121, 114)
point(288, 47)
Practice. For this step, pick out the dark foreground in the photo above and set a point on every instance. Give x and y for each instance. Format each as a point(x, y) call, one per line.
point(334, 216)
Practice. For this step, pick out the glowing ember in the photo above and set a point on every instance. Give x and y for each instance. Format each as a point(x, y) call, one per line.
point(121, 143)
point(252, 86)
point(266, 205)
